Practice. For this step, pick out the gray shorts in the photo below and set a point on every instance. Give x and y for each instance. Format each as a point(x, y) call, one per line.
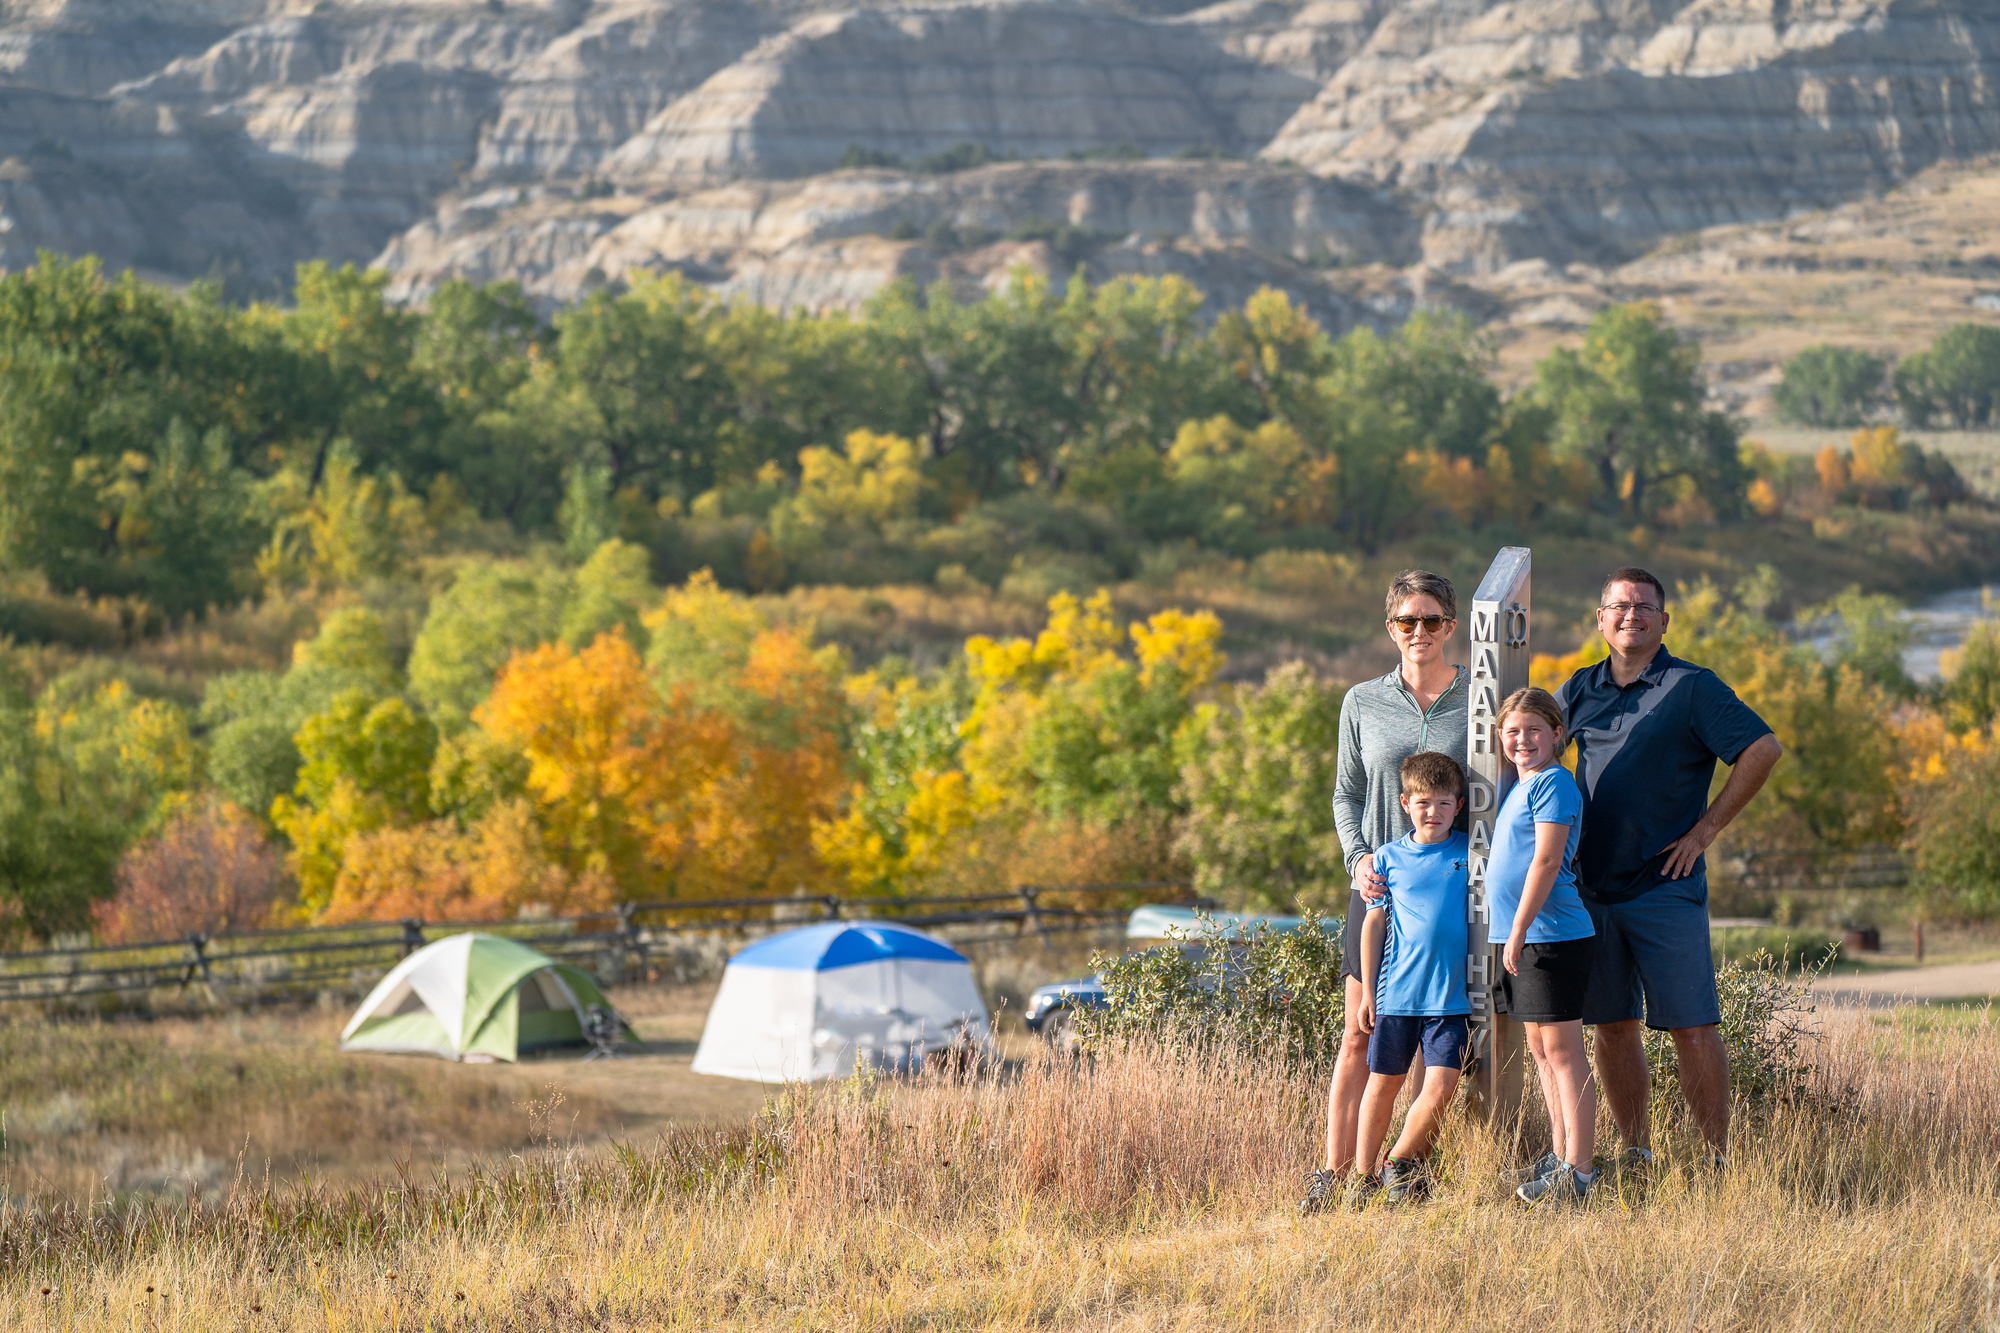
point(1652, 959)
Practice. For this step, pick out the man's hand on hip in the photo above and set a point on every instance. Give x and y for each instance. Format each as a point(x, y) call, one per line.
point(1746, 776)
point(1684, 851)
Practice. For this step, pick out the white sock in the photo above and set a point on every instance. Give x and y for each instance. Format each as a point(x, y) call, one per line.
point(1585, 1176)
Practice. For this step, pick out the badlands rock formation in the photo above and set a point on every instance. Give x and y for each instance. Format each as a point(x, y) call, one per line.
point(1369, 154)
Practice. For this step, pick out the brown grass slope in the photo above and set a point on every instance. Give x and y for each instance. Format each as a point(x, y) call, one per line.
point(1135, 1193)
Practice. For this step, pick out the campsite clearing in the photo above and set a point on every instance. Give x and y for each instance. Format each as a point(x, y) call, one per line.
point(96, 1109)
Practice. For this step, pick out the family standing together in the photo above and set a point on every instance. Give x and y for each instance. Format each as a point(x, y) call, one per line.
point(1596, 887)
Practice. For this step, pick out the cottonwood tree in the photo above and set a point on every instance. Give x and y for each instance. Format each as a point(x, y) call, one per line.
point(1826, 385)
point(1958, 378)
point(1629, 405)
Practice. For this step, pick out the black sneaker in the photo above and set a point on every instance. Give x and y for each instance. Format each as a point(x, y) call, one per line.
point(1322, 1193)
point(1360, 1192)
point(1635, 1161)
point(1405, 1182)
point(1545, 1165)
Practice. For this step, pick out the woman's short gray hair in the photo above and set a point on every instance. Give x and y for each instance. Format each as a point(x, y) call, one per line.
point(1422, 583)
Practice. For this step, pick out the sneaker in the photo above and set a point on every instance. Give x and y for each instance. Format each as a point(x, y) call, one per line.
point(1361, 1191)
point(1405, 1182)
point(1322, 1192)
point(1635, 1161)
point(1545, 1165)
point(1560, 1187)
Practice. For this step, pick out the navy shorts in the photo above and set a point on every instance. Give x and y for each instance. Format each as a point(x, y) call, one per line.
point(1398, 1037)
point(1652, 959)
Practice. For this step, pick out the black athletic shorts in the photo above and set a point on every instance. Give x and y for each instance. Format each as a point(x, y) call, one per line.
point(1552, 982)
point(1350, 935)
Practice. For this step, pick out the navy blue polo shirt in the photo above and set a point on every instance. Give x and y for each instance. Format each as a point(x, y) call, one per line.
point(1645, 758)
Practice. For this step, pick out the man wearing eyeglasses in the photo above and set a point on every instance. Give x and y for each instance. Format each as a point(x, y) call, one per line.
point(1649, 728)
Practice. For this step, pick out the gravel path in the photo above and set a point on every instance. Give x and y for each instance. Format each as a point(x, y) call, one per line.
point(1945, 981)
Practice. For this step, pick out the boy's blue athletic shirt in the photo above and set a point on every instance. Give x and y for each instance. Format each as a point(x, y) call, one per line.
point(1423, 957)
point(1548, 797)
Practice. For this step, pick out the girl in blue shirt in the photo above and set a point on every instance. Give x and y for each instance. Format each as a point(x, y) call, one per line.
point(1539, 917)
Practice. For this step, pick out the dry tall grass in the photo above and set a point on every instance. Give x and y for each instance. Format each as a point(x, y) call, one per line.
point(105, 1110)
point(1135, 1194)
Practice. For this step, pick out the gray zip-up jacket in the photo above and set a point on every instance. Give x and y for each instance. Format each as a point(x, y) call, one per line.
point(1380, 727)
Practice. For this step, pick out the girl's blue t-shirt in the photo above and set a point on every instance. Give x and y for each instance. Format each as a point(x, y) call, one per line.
point(1547, 797)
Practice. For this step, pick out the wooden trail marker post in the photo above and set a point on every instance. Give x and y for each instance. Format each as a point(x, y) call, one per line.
point(1499, 649)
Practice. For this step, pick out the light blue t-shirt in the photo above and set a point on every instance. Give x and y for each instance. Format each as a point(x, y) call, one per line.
point(1423, 957)
point(1547, 797)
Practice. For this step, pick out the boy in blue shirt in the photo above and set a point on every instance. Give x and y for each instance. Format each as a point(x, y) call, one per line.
point(1413, 949)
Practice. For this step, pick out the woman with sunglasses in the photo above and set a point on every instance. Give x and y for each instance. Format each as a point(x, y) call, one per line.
point(1421, 705)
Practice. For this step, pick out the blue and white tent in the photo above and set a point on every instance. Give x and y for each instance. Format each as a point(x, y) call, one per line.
point(817, 1002)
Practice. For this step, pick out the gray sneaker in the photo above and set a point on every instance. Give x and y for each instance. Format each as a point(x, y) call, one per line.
point(1559, 1188)
point(1322, 1193)
point(1360, 1192)
point(1405, 1182)
point(1635, 1161)
point(1545, 1165)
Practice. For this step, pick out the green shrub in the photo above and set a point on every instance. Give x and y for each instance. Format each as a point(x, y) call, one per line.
point(1766, 1007)
point(1266, 990)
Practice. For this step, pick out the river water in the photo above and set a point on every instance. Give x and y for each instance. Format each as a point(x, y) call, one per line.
point(1939, 624)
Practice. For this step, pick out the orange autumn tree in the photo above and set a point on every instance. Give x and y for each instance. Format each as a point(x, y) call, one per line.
point(497, 867)
point(615, 778)
point(590, 776)
point(787, 771)
point(700, 793)
point(603, 766)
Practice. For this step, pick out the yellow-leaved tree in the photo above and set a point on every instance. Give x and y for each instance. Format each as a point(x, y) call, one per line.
point(1055, 762)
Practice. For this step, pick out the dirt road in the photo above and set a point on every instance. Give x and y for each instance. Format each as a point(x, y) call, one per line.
point(1946, 981)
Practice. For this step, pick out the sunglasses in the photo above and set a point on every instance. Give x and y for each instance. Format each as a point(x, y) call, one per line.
point(1408, 624)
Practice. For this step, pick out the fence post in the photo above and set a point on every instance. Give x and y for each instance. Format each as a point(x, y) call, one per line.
point(413, 935)
point(199, 943)
point(634, 943)
point(832, 907)
point(1033, 920)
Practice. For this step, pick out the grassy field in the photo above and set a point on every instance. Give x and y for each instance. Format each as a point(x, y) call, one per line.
point(116, 1110)
point(1132, 1193)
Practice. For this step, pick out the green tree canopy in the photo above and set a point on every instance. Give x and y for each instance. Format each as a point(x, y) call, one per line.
point(1825, 385)
point(1629, 405)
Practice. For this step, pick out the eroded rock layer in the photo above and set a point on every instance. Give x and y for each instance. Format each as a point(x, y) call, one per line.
point(568, 142)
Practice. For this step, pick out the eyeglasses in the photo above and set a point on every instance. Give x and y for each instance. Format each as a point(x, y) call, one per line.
point(1408, 624)
point(1620, 610)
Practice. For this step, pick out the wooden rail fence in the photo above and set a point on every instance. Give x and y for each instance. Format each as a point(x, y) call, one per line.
point(1808, 870)
point(619, 944)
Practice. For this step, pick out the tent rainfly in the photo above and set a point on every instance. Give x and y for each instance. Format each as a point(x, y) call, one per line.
point(476, 998)
point(817, 1002)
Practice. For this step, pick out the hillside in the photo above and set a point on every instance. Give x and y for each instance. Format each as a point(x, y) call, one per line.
point(1369, 157)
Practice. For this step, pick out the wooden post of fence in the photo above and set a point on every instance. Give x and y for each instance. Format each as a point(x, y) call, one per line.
point(1033, 919)
point(635, 944)
point(413, 935)
point(832, 902)
point(1499, 646)
point(199, 944)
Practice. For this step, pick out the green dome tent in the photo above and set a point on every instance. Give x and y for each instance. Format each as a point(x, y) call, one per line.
point(475, 997)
